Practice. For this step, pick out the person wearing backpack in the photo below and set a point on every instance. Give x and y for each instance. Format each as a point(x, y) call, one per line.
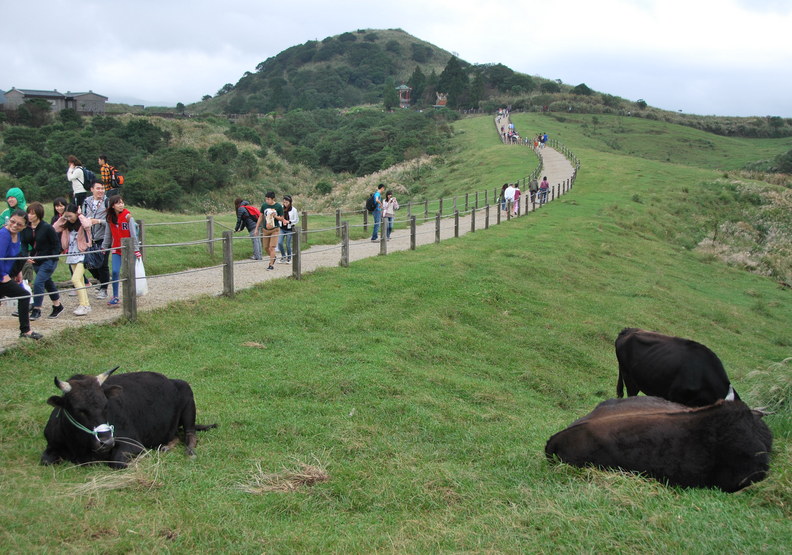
point(76, 176)
point(95, 209)
point(111, 179)
point(247, 216)
point(377, 212)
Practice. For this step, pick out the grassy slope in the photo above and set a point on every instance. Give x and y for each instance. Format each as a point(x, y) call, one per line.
point(432, 426)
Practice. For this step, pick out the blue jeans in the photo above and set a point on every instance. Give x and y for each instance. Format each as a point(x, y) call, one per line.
point(377, 219)
point(44, 282)
point(256, 244)
point(116, 273)
point(285, 243)
point(389, 226)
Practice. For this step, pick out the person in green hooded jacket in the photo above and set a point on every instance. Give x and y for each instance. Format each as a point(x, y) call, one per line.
point(16, 200)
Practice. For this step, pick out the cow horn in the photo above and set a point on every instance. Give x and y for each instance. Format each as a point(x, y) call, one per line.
point(104, 375)
point(63, 386)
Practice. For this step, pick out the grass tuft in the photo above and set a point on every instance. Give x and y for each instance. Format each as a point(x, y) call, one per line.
point(297, 478)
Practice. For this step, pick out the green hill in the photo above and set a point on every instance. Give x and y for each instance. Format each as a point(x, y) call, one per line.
point(403, 404)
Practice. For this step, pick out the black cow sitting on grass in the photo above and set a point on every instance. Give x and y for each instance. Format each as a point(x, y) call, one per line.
point(673, 368)
point(725, 445)
point(112, 419)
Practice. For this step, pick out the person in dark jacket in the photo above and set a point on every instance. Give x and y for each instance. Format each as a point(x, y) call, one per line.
point(10, 275)
point(247, 216)
point(40, 239)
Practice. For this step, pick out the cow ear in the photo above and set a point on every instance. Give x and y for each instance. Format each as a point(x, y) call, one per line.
point(113, 390)
point(55, 401)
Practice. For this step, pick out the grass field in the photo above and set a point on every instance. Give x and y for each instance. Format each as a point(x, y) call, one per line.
point(403, 404)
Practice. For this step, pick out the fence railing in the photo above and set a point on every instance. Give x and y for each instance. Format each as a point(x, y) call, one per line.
point(475, 205)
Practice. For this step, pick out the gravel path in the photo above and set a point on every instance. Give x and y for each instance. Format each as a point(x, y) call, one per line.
point(248, 273)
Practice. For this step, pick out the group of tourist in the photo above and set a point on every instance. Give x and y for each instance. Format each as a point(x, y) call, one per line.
point(78, 225)
point(510, 194)
point(272, 226)
point(385, 206)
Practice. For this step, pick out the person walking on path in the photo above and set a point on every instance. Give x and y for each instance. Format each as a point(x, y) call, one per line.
point(389, 207)
point(377, 212)
point(271, 214)
point(95, 209)
point(10, 274)
point(75, 240)
point(76, 176)
point(15, 199)
point(290, 218)
point(40, 239)
point(120, 225)
point(544, 187)
point(247, 216)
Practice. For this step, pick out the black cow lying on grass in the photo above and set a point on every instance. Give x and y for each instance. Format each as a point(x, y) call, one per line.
point(725, 445)
point(673, 368)
point(112, 419)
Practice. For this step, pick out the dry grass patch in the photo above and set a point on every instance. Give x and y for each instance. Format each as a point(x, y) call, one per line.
point(299, 477)
point(142, 474)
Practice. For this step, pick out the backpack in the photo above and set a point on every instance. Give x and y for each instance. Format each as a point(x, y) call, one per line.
point(253, 211)
point(116, 179)
point(89, 177)
point(371, 204)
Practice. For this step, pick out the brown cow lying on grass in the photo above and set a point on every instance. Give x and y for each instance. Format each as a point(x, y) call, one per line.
point(725, 445)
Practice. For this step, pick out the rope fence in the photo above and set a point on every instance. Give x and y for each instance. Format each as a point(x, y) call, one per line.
point(477, 206)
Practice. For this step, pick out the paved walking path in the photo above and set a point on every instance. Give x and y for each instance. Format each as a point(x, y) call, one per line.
point(209, 281)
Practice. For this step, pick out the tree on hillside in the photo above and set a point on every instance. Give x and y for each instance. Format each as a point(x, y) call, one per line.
point(476, 90)
point(550, 87)
point(417, 82)
point(390, 97)
point(454, 81)
point(582, 90)
point(34, 112)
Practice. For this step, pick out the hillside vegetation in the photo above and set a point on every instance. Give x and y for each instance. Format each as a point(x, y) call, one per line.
point(403, 404)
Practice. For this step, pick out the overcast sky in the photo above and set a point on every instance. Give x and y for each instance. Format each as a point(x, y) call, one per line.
point(721, 57)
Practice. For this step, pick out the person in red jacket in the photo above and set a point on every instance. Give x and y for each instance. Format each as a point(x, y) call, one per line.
point(120, 224)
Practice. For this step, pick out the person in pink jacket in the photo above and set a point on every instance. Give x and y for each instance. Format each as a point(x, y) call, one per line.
point(75, 240)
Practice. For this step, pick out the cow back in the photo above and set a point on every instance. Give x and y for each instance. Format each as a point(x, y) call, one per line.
point(149, 408)
point(677, 369)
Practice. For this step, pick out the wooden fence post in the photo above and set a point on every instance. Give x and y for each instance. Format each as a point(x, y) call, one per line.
point(440, 209)
point(426, 208)
point(338, 222)
point(437, 227)
point(210, 234)
point(383, 245)
point(141, 240)
point(228, 264)
point(129, 289)
point(467, 204)
point(296, 257)
point(412, 233)
point(344, 245)
point(456, 223)
point(473, 220)
point(486, 216)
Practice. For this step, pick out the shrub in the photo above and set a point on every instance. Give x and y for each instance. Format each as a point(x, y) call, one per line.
point(324, 188)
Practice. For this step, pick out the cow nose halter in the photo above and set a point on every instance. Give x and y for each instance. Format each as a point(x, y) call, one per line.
point(100, 429)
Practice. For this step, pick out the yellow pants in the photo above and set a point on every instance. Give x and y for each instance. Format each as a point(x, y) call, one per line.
point(79, 283)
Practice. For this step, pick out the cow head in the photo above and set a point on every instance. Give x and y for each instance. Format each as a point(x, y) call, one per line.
point(84, 405)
